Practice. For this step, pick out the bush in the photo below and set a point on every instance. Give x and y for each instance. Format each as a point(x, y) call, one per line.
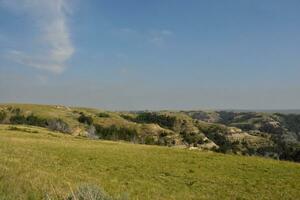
point(89, 192)
point(30, 120)
point(85, 119)
point(192, 138)
point(104, 115)
point(221, 141)
point(162, 120)
point(128, 117)
point(18, 119)
point(149, 140)
point(166, 141)
point(58, 125)
point(213, 128)
point(226, 117)
point(292, 122)
point(287, 151)
point(36, 121)
point(116, 133)
point(16, 111)
point(2, 115)
point(267, 127)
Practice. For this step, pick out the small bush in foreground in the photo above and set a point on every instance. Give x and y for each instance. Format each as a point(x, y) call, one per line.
point(89, 192)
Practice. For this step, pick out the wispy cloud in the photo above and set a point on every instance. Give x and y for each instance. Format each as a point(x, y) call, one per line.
point(157, 37)
point(54, 46)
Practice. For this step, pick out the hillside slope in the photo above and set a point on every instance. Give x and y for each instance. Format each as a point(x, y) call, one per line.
point(264, 134)
point(35, 162)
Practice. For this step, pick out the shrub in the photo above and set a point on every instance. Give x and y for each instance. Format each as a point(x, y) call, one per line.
point(287, 151)
point(162, 120)
point(36, 121)
point(58, 125)
point(292, 122)
point(221, 141)
point(128, 117)
point(116, 133)
point(192, 138)
point(104, 115)
point(163, 134)
point(167, 141)
point(149, 140)
point(30, 120)
point(16, 111)
point(226, 116)
point(91, 132)
point(251, 151)
point(85, 119)
point(213, 128)
point(270, 128)
point(18, 119)
point(2, 115)
point(89, 192)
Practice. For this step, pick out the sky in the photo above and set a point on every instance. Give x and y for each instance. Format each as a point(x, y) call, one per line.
point(158, 54)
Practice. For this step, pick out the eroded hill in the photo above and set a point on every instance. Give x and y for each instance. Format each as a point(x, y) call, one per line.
point(246, 133)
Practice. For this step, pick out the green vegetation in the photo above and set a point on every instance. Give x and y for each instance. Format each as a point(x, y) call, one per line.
point(36, 163)
point(192, 138)
point(282, 131)
point(155, 118)
point(247, 133)
point(2, 116)
point(89, 192)
point(103, 114)
point(292, 121)
point(116, 133)
point(85, 119)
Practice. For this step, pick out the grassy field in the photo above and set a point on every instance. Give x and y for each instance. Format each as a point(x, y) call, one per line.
point(35, 162)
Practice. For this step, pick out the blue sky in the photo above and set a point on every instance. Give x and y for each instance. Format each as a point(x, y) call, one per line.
point(158, 54)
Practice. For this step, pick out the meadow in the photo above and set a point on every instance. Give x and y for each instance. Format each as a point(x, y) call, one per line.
point(35, 162)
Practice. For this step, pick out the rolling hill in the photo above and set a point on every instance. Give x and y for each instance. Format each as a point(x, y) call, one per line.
point(272, 135)
point(36, 163)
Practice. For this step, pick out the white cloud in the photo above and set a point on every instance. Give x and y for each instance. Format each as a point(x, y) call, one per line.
point(157, 40)
point(166, 32)
point(158, 37)
point(54, 45)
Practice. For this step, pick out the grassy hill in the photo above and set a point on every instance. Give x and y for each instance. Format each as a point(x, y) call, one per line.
point(35, 162)
point(249, 133)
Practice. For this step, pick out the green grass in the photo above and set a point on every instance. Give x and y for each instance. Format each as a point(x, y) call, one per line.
point(35, 162)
